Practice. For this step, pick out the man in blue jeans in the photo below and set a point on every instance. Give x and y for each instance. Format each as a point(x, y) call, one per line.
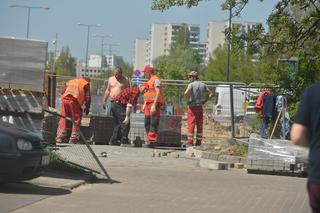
point(305, 132)
point(121, 107)
point(116, 84)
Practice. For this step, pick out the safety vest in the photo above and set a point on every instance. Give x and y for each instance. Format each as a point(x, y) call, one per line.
point(150, 95)
point(75, 88)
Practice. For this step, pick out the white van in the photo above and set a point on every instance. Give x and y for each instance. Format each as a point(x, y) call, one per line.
point(244, 99)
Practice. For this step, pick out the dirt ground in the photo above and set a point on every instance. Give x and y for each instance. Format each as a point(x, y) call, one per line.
point(215, 137)
point(213, 130)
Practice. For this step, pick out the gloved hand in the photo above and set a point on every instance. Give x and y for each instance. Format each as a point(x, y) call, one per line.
point(153, 108)
point(86, 110)
point(126, 120)
point(104, 106)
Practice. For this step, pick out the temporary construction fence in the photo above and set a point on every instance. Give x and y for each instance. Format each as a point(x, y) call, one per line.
point(217, 111)
point(97, 127)
point(81, 154)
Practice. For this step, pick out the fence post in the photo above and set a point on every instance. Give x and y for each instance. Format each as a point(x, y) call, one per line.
point(232, 111)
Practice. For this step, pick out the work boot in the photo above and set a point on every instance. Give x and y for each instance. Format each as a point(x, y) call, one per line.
point(74, 142)
point(198, 143)
point(187, 145)
point(125, 143)
point(151, 144)
point(114, 143)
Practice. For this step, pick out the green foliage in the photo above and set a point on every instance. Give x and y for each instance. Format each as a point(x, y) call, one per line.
point(294, 25)
point(293, 32)
point(242, 67)
point(182, 35)
point(127, 69)
point(57, 164)
point(181, 60)
point(240, 149)
point(65, 64)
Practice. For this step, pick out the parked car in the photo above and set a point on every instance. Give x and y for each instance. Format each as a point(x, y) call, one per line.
point(23, 154)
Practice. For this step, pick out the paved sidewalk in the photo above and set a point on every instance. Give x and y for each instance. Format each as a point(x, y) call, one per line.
point(162, 188)
point(61, 179)
point(145, 183)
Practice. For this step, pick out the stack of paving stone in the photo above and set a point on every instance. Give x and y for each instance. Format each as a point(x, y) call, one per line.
point(169, 131)
point(101, 128)
point(49, 128)
point(278, 156)
point(85, 128)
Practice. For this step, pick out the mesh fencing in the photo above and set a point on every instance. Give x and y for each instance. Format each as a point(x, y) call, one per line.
point(97, 128)
point(216, 115)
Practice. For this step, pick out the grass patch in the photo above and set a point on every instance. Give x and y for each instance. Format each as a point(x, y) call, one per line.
point(240, 149)
point(57, 164)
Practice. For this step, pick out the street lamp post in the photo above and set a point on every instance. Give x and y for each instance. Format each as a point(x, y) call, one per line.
point(55, 43)
point(88, 33)
point(102, 44)
point(29, 9)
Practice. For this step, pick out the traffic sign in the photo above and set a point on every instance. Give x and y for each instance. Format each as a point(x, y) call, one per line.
point(137, 73)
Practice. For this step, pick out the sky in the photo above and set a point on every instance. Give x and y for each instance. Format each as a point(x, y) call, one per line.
point(126, 20)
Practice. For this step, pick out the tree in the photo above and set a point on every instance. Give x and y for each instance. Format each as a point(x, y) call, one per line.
point(178, 63)
point(242, 69)
point(65, 64)
point(183, 35)
point(294, 31)
point(293, 24)
point(127, 69)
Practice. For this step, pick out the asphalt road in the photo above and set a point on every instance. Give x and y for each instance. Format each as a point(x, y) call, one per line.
point(17, 195)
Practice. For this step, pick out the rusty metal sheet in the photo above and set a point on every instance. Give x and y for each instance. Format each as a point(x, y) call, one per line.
point(20, 101)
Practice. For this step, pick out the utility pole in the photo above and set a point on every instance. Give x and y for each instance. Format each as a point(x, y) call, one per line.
point(88, 33)
point(102, 44)
point(228, 73)
point(110, 53)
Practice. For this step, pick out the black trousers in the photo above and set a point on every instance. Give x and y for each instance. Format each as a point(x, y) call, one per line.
point(121, 130)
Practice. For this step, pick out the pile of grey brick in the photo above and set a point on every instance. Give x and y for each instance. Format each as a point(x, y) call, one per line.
point(275, 155)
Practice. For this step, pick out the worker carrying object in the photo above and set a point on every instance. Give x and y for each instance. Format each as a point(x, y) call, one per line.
point(153, 99)
point(75, 100)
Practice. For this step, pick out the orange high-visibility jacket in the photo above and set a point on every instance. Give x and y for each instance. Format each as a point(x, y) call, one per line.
point(75, 88)
point(150, 95)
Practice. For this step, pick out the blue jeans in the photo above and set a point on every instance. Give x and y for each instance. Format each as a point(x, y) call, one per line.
point(108, 105)
point(121, 130)
point(264, 127)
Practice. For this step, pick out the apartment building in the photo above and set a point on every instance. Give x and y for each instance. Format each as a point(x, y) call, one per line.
point(96, 60)
point(216, 33)
point(98, 65)
point(139, 59)
point(162, 36)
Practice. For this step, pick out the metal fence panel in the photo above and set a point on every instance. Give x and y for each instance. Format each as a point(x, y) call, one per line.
point(22, 63)
point(217, 116)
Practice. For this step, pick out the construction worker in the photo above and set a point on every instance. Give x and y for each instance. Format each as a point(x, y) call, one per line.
point(75, 97)
point(153, 99)
point(116, 84)
point(196, 94)
point(121, 106)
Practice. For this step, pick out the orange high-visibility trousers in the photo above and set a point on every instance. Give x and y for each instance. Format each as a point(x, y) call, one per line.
point(69, 108)
point(195, 118)
point(151, 122)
